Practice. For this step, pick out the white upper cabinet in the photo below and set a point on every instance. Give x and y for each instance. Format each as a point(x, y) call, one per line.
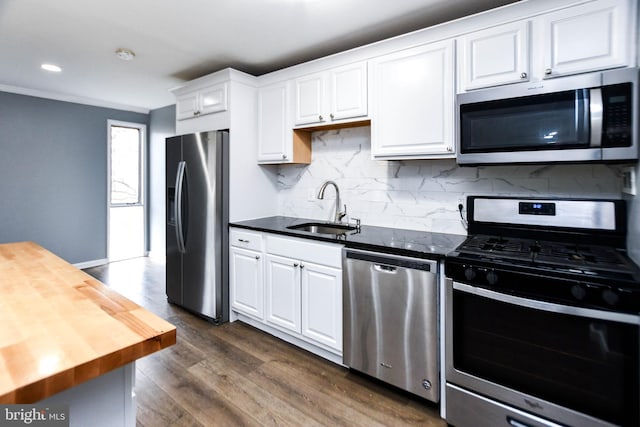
point(588, 37)
point(207, 100)
point(274, 126)
point(310, 99)
point(412, 101)
point(348, 86)
point(494, 56)
point(334, 95)
point(277, 142)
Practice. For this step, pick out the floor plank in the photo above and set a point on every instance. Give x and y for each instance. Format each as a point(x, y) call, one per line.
point(236, 375)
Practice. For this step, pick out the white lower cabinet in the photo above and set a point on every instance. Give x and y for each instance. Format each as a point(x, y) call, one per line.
point(283, 292)
point(291, 288)
point(246, 273)
point(322, 304)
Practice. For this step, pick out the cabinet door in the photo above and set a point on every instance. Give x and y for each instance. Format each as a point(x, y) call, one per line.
point(213, 99)
point(348, 96)
point(494, 56)
point(187, 106)
point(411, 98)
point(283, 292)
point(246, 282)
point(309, 96)
point(322, 304)
point(274, 130)
point(588, 37)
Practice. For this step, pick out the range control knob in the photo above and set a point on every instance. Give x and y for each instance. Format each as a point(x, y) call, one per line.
point(469, 273)
point(610, 296)
point(578, 292)
point(492, 277)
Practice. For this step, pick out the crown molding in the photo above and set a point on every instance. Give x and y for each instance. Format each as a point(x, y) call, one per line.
point(71, 98)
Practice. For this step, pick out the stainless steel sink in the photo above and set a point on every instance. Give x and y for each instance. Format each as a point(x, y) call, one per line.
point(323, 228)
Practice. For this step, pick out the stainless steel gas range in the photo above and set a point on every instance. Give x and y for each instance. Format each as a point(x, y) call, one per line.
point(542, 316)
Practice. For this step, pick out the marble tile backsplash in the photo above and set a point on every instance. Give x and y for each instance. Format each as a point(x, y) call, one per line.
point(420, 194)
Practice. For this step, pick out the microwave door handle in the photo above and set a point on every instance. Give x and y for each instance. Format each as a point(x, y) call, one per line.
point(596, 109)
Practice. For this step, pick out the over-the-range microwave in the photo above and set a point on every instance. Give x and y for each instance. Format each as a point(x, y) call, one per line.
point(583, 118)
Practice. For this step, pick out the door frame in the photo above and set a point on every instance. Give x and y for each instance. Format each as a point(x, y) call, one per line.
point(143, 180)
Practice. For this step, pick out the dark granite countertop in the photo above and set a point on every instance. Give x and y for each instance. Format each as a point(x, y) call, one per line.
point(414, 243)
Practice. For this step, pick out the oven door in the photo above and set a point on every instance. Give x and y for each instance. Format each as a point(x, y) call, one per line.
point(567, 364)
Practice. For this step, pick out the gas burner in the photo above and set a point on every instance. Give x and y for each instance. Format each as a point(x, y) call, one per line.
point(580, 259)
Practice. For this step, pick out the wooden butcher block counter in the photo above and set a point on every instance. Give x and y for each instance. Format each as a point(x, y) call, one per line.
point(60, 327)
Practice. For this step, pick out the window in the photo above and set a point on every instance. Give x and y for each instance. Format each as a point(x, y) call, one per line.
point(126, 166)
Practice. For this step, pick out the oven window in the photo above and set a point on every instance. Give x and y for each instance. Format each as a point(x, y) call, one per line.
point(584, 364)
point(539, 122)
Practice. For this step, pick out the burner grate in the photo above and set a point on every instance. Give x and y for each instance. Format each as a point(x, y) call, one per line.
point(584, 254)
point(541, 253)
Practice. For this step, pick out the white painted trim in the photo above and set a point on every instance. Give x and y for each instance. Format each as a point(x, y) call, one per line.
point(143, 178)
point(224, 75)
point(447, 30)
point(89, 264)
point(71, 98)
point(291, 339)
point(157, 255)
point(442, 291)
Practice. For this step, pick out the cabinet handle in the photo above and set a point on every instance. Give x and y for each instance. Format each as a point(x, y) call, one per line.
point(257, 256)
point(547, 71)
point(301, 265)
point(196, 113)
point(449, 148)
point(523, 75)
point(284, 156)
point(243, 241)
point(295, 264)
point(331, 115)
point(320, 118)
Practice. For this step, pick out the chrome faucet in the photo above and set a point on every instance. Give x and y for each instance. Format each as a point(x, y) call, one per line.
point(339, 215)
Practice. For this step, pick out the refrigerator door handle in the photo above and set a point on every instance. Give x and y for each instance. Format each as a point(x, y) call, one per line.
point(178, 206)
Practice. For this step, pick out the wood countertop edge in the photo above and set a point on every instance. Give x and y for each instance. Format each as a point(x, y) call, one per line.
point(33, 279)
point(79, 374)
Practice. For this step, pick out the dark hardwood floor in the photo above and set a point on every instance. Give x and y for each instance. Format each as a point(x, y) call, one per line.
point(234, 374)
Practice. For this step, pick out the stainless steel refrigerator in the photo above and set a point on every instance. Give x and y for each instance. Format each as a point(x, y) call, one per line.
point(197, 223)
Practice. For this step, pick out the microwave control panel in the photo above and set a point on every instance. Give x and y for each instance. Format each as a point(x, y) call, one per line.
point(617, 115)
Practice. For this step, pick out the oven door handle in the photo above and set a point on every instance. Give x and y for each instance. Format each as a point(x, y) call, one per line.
point(548, 306)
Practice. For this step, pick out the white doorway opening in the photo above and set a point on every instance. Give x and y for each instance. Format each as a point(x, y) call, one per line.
point(126, 218)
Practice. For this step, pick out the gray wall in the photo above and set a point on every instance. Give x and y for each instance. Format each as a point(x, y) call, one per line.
point(162, 125)
point(53, 174)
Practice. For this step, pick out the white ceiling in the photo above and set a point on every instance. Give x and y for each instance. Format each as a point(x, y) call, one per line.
point(179, 40)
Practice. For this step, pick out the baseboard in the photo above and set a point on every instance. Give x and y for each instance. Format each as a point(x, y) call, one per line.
point(89, 264)
point(291, 339)
point(159, 255)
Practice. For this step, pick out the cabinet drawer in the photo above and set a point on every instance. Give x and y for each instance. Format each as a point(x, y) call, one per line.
point(301, 249)
point(245, 239)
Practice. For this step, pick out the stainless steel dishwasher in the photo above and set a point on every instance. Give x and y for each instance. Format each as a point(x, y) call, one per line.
point(390, 319)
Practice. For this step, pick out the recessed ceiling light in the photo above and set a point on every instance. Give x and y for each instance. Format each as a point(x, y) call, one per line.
point(51, 67)
point(125, 54)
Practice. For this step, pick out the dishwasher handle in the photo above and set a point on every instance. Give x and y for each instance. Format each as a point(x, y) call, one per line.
point(387, 262)
point(385, 268)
